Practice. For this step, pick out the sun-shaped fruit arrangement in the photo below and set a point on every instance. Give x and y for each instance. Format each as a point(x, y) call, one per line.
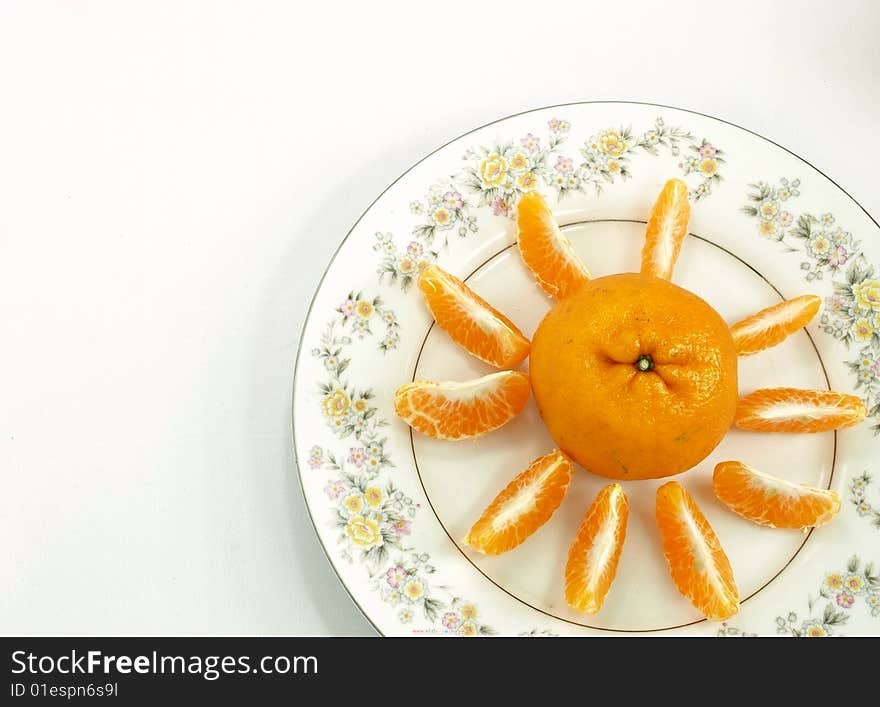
point(635, 378)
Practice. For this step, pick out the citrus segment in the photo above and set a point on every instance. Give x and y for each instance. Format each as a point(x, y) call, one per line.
point(667, 227)
point(545, 250)
point(774, 324)
point(592, 560)
point(524, 505)
point(796, 410)
point(451, 410)
point(768, 500)
point(698, 565)
point(470, 321)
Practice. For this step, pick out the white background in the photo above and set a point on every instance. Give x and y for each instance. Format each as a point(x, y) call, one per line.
point(174, 177)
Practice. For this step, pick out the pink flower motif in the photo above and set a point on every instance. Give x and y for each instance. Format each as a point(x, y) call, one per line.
point(838, 257)
point(565, 165)
point(348, 308)
point(845, 599)
point(450, 620)
point(707, 150)
point(500, 207)
point(357, 456)
point(414, 248)
point(554, 124)
point(395, 575)
point(785, 219)
point(334, 489)
point(315, 463)
point(453, 200)
point(530, 142)
point(401, 527)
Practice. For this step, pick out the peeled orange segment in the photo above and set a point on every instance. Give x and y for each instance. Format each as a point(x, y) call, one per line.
point(451, 410)
point(796, 410)
point(592, 560)
point(470, 321)
point(773, 325)
point(698, 565)
point(545, 250)
point(667, 227)
point(524, 505)
point(768, 500)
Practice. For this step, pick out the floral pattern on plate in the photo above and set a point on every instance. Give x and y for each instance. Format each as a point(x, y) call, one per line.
point(852, 312)
point(374, 517)
point(495, 176)
point(858, 490)
point(842, 591)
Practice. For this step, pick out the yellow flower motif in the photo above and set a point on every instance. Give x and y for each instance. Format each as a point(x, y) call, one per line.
point(709, 166)
point(493, 170)
point(527, 181)
point(353, 503)
point(413, 589)
point(612, 143)
point(854, 583)
point(364, 309)
point(862, 330)
point(364, 532)
point(468, 611)
point(374, 495)
point(834, 581)
point(816, 631)
point(442, 216)
point(820, 245)
point(768, 209)
point(519, 162)
point(868, 294)
point(360, 405)
point(467, 628)
point(406, 265)
point(767, 228)
point(336, 403)
point(613, 166)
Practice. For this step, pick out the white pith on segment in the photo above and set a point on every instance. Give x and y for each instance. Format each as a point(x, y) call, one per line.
point(524, 500)
point(605, 542)
point(482, 317)
point(562, 245)
point(756, 325)
point(702, 551)
point(468, 390)
point(664, 251)
point(764, 481)
point(804, 411)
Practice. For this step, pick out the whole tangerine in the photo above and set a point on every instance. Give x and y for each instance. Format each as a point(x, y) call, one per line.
point(635, 378)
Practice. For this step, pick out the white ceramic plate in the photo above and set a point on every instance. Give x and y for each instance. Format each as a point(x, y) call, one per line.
point(391, 507)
